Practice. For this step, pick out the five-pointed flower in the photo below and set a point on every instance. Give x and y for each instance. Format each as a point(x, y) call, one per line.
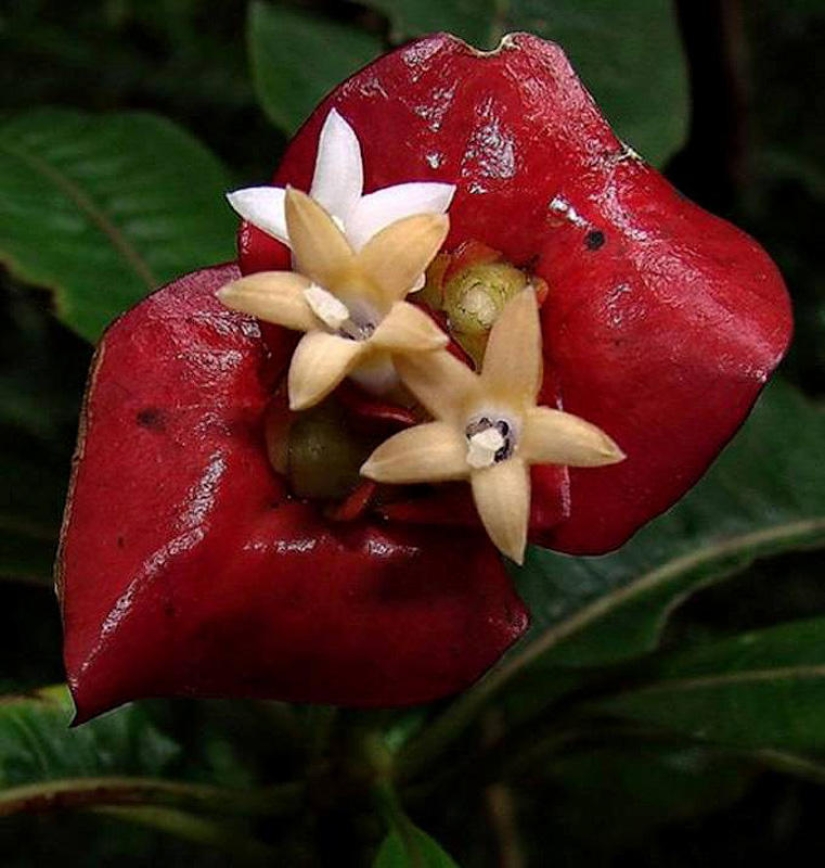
point(488, 428)
point(350, 304)
point(338, 185)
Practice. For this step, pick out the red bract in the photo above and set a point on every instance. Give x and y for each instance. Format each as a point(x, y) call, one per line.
point(186, 569)
point(662, 323)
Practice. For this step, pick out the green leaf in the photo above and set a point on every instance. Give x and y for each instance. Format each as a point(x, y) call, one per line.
point(104, 209)
point(42, 372)
point(762, 689)
point(298, 57)
point(764, 496)
point(405, 846)
point(473, 20)
point(120, 758)
point(634, 788)
point(411, 848)
point(630, 58)
point(36, 743)
point(233, 840)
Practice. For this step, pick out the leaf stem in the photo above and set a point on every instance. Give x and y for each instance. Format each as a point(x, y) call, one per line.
point(390, 808)
point(72, 793)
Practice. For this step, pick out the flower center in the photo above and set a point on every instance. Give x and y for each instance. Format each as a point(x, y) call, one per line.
point(489, 441)
point(357, 325)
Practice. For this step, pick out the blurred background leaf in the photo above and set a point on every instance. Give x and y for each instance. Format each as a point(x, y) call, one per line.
point(762, 689)
point(42, 371)
point(413, 850)
point(764, 495)
point(476, 21)
point(103, 210)
point(297, 58)
point(36, 744)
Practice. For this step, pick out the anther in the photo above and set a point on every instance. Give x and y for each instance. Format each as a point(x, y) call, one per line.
point(488, 442)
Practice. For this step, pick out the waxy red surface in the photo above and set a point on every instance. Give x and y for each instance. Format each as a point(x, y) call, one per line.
point(662, 322)
point(186, 569)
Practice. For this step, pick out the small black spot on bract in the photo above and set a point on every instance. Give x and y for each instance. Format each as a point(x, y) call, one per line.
point(594, 240)
point(121, 543)
point(152, 418)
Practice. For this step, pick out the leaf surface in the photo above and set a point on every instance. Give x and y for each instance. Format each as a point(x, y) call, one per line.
point(761, 689)
point(37, 745)
point(297, 57)
point(764, 496)
point(472, 20)
point(104, 209)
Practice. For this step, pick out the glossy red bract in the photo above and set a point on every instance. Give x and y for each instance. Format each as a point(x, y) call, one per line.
point(662, 322)
point(186, 569)
point(185, 566)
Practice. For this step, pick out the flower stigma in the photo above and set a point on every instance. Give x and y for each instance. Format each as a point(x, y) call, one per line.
point(489, 442)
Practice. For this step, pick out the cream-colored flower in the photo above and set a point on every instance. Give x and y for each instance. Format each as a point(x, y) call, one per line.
point(487, 427)
point(350, 304)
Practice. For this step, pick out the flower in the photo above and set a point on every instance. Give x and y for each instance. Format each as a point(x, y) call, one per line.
point(489, 429)
point(661, 323)
point(191, 563)
point(350, 304)
point(338, 186)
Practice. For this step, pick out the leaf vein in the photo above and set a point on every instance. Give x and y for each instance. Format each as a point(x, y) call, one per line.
point(92, 211)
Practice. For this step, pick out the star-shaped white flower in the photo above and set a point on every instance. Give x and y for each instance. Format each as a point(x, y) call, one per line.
point(338, 186)
point(487, 427)
point(349, 303)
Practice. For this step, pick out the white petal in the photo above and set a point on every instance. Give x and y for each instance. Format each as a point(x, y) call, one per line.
point(319, 363)
point(434, 452)
point(329, 309)
point(502, 496)
point(339, 173)
point(262, 207)
point(483, 446)
point(377, 210)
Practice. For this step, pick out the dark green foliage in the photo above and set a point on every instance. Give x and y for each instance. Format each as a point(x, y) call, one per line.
point(668, 705)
